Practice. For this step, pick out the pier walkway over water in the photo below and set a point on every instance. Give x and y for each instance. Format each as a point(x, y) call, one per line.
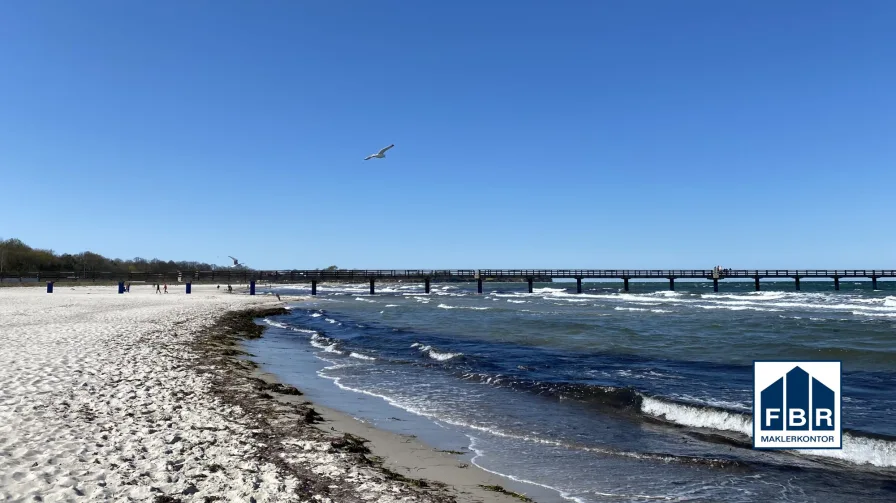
point(426, 276)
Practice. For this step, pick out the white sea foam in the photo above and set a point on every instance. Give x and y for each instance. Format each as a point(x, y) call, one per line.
point(480, 453)
point(856, 449)
point(741, 308)
point(325, 343)
point(361, 357)
point(435, 355)
point(284, 326)
point(696, 416)
point(475, 308)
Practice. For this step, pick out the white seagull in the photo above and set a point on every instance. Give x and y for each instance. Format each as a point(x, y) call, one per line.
point(380, 154)
point(235, 261)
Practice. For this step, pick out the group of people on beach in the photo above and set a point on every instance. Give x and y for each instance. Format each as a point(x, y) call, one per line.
point(158, 290)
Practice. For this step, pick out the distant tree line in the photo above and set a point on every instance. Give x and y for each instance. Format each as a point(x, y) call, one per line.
point(16, 256)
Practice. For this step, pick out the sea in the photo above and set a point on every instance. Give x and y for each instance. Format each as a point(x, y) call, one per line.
point(607, 395)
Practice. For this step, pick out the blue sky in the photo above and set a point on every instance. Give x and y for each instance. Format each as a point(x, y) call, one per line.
point(561, 134)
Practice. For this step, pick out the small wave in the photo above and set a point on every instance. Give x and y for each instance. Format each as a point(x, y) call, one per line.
point(391, 305)
point(275, 323)
point(434, 354)
point(361, 357)
point(287, 327)
point(866, 313)
point(858, 448)
point(316, 315)
point(325, 343)
point(741, 308)
point(697, 416)
point(475, 308)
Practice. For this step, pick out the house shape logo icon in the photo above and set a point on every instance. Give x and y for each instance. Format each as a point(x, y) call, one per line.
point(796, 405)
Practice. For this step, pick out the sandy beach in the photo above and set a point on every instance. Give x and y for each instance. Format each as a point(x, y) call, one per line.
point(146, 397)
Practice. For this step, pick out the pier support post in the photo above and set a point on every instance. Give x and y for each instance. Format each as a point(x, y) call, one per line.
point(372, 290)
point(672, 284)
point(49, 287)
point(313, 287)
point(874, 282)
point(252, 287)
point(426, 284)
point(625, 284)
point(756, 279)
point(836, 283)
point(797, 283)
point(578, 285)
point(479, 284)
point(189, 288)
point(715, 284)
point(530, 284)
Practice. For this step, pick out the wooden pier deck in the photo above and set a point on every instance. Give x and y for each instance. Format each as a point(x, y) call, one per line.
point(426, 276)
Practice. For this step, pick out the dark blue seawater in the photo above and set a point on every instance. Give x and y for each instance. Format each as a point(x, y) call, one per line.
point(607, 395)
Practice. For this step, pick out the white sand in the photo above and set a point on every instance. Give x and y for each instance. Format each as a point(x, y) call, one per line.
point(97, 402)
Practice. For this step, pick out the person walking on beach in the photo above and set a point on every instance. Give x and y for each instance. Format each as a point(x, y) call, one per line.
point(158, 290)
point(166, 287)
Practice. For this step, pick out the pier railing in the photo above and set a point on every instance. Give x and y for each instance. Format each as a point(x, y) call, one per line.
point(440, 274)
point(426, 276)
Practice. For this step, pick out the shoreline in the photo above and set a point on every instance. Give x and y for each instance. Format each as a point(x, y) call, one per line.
point(400, 459)
point(146, 397)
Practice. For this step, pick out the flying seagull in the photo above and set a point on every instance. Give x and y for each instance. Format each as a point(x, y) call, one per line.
point(235, 261)
point(380, 154)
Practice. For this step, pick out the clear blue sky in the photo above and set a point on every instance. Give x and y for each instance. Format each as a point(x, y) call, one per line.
point(528, 134)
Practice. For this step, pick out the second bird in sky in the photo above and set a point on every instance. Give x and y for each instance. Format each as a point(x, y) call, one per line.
point(379, 155)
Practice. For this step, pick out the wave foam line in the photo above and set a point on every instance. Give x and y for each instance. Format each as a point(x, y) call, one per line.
point(857, 449)
point(284, 326)
point(480, 453)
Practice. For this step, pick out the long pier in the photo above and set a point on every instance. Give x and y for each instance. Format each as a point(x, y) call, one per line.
point(427, 276)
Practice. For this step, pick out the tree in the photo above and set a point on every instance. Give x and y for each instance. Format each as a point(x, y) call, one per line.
point(17, 257)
